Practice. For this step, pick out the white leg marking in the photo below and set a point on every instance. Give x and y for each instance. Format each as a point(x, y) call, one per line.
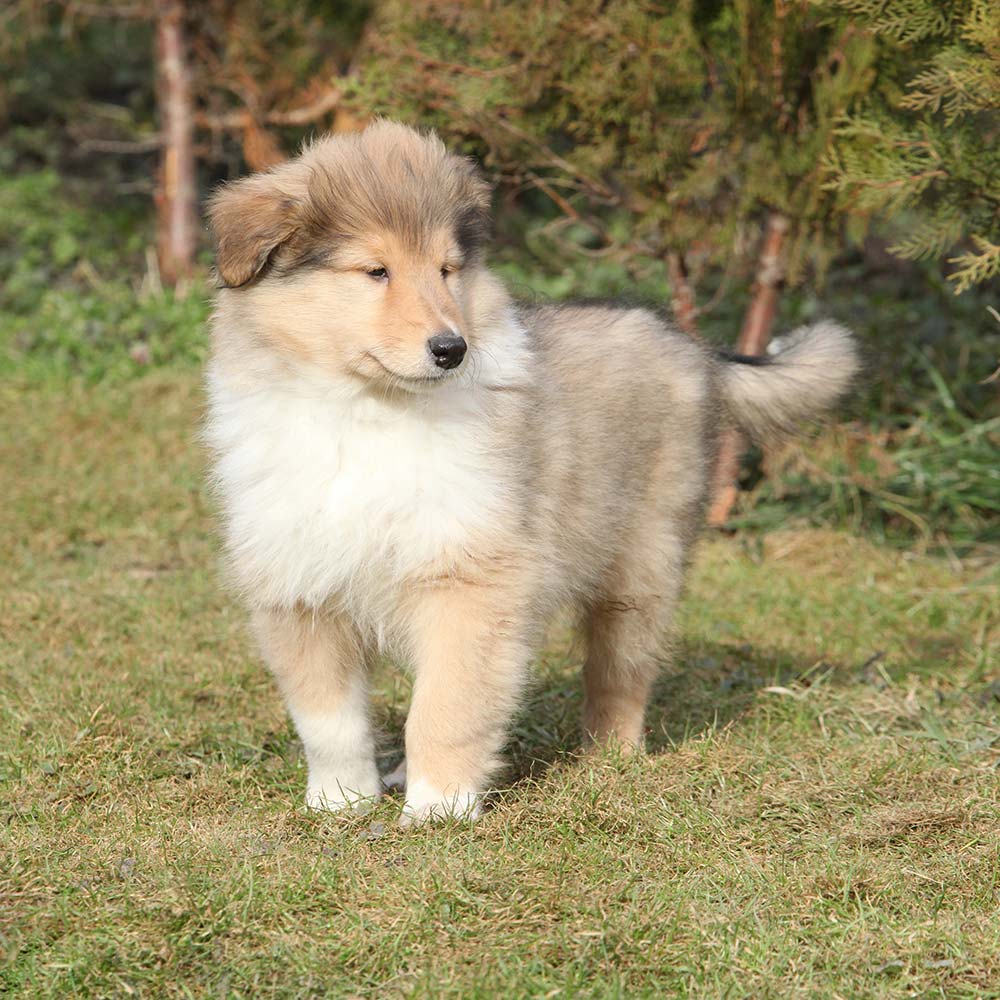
point(340, 753)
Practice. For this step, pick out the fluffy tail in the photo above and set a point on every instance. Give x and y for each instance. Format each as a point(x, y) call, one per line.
point(774, 395)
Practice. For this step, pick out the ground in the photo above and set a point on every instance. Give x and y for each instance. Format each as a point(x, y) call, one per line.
point(817, 815)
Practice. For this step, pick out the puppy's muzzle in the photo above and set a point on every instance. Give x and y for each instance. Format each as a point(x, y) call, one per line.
point(447, 349)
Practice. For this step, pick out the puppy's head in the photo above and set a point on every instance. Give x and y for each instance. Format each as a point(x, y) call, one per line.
point(358, 255)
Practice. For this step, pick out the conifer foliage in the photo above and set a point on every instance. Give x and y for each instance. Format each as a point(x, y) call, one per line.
point(927, 142)
point(696, 121)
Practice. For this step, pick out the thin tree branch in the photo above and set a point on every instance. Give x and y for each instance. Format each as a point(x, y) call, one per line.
point(305, 115)
point(125, 146)
point(682, 294)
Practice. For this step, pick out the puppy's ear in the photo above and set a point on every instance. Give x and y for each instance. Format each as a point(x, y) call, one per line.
point(471, 222)
point(250, 218)
point(478, 190)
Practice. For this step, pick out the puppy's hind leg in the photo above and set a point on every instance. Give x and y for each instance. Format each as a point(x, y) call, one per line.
point(618, 674)
point(626, 632)
point(319, 664)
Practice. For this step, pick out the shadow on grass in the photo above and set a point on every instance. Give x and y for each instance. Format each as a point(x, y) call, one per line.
point(709, 686)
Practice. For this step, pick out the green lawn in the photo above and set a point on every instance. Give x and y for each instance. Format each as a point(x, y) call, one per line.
point(818, 815)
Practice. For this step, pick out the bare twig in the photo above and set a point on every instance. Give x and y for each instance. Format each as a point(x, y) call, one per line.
point(723, 288)
point(124, 146)
point(590, 183)
point(429, 62)
point(554, 195)
point(305, 115)
point(682, 294)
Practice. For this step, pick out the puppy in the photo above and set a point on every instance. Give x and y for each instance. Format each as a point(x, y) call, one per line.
point(410, 462)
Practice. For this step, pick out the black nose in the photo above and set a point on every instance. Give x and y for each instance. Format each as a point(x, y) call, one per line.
point(448, 349)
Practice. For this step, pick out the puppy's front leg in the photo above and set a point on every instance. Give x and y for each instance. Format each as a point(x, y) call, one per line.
point(470, 659)
point(319, 665)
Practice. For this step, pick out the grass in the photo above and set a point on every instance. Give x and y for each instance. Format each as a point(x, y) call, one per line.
point(818, 814)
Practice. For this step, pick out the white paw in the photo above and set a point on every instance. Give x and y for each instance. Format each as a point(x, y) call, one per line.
point(395, 780)
point(341, 757)
point(424, 804)
point(323, 800)
point(357, 792)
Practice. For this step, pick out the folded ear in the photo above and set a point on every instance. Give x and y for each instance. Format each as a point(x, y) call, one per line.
point(473, 224)
point(250, 218)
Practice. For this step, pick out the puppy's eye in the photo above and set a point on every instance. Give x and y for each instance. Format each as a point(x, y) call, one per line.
point(378, 273)
point(448, 269)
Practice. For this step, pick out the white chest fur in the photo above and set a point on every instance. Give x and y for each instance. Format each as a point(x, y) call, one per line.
point(346, 498)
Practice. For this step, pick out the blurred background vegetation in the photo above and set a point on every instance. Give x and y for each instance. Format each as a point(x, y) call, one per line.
point(739, 163)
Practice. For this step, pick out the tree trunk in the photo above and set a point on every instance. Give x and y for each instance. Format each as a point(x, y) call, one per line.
point(176, 213)
point(753, 340)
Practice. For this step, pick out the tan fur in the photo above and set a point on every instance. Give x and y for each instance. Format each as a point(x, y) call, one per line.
point(311, 656)
point(469, 657)
point(575, 445)
point(379, 336)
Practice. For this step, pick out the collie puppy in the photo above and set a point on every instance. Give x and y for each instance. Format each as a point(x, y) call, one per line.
point(411, 462)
